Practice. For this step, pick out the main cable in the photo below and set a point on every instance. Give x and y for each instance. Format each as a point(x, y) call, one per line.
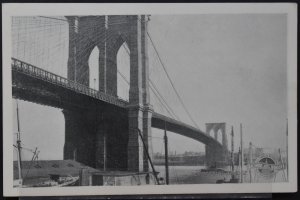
point(173, 86)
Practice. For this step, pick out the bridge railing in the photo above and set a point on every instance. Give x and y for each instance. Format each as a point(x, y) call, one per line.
point(34, 71)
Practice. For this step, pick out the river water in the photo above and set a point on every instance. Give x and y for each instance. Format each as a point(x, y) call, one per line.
point(193, 175)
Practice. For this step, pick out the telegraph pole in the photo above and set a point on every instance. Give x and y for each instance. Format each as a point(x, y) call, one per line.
point(166, 155)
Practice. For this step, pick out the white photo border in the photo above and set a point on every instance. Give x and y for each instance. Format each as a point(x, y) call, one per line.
point(55, 9)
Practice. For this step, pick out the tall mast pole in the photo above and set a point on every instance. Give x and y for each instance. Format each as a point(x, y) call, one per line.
point(232, 149)
point(281, 163)
point(149, 158)
point(19, 146)
point(250, 161)
point(287, 152)
point(166, 155)
point(242, 152)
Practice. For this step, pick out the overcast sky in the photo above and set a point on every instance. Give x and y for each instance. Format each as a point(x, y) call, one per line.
point(227, 68)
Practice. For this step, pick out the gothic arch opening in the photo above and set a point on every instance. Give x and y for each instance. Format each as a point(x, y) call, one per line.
point(220, 136)
point(94, 68)
point(211, 133)
point(123, 68)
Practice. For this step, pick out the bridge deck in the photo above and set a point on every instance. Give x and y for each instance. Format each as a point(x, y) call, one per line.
point(161, 122)
point(55, 79)
point(53, 90)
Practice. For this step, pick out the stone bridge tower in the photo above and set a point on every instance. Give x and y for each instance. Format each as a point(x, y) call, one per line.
point(105, 137)
point(217, 156)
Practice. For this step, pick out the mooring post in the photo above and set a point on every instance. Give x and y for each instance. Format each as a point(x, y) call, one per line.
point(166, 155)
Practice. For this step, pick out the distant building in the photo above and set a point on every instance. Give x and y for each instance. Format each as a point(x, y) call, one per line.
point(258, 152)
point(187, 158)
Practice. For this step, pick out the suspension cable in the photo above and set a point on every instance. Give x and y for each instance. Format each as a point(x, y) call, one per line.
point(53, 18)
point(172, 84)
point(153, 87)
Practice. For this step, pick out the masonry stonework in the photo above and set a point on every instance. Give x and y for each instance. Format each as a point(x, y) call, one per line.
point(111, 141)
point(217, 156)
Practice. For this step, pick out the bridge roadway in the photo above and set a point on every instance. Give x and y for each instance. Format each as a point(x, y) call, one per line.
point(36, 85)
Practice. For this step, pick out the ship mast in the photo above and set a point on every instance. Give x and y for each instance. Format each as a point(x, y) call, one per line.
point(232, 149)
point(242, 152)
point(19, 146)
point(250, 161)
point(287, 153)
point(166, 155)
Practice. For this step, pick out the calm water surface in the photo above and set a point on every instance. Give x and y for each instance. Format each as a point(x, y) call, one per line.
point(193, 175)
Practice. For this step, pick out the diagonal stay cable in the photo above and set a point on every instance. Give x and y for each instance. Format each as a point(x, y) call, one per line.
point(172, 84)
point(54, 18)
point(162, 98)
point(154, 89)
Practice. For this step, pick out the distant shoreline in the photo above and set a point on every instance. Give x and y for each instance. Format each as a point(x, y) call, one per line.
point(179, 164)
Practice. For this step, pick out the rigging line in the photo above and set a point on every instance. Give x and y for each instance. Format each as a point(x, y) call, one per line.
point(177, 94)
point(33, 158)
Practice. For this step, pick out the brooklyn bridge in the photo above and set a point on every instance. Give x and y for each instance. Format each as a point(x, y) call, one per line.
point(102, 129)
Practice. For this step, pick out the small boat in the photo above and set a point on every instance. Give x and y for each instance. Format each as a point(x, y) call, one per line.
point(54, 180)
point(211, 176)
point(214, 170)
point(234, 179)
point(57, 181)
